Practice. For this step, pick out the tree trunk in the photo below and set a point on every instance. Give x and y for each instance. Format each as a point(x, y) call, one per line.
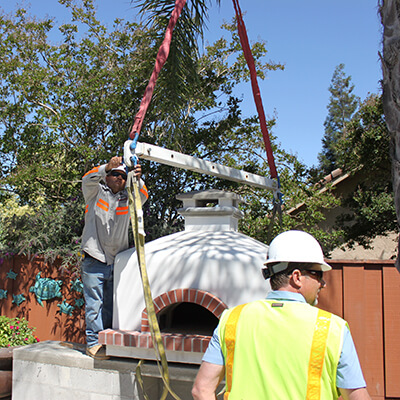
point(390, 16)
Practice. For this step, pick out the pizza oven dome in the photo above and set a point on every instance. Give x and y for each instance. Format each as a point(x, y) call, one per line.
point(205, 268)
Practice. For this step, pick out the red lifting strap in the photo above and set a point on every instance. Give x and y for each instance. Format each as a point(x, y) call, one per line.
point(256, 91)
point(162, 56)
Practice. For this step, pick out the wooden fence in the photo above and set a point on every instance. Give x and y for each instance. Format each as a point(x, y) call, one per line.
point(365, 293)
point(50, 322)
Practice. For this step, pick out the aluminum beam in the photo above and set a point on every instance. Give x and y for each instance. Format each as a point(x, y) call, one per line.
point(179, 160)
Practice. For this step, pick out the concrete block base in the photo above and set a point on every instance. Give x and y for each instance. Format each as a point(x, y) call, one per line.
point(51, 370)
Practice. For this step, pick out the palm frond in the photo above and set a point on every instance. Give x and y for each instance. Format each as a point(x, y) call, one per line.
point(181, 68)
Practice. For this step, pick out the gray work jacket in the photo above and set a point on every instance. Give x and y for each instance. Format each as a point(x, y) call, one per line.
point(106, 216)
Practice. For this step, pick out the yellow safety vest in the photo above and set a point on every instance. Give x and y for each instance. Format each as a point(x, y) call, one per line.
point(282, 350)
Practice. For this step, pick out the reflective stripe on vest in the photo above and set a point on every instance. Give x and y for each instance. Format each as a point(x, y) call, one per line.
point(230, 340)
point(317, 355)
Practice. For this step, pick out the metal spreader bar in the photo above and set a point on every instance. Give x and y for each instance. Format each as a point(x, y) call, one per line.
point(179, 160)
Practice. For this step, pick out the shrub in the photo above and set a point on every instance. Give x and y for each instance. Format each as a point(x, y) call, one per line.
point(16, 332)
point(50, 231)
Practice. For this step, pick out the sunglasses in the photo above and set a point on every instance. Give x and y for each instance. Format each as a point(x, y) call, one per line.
point(116, 173)
point(318, 274)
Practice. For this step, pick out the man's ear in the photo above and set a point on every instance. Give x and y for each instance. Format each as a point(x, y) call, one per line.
point(295, 279)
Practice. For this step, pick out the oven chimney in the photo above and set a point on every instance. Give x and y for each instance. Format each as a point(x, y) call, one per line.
point(210, 210)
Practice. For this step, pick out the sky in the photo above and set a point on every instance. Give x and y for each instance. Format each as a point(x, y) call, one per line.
point(310, 37)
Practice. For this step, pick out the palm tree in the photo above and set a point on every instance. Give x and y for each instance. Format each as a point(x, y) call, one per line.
point(390, 16)
point(183, 50)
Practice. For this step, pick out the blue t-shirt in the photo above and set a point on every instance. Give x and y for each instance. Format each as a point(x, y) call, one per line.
point(349, 374)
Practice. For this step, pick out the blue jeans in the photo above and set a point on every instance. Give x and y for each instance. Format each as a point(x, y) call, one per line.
point(97, 279)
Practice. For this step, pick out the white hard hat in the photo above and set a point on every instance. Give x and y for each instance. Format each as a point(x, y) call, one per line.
point(294, 247)
point(121, 168)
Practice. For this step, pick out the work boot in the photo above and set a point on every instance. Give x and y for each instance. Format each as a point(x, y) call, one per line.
point(98, 352)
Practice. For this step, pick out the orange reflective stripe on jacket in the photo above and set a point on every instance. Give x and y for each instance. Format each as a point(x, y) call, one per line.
point(122, 210)
point(144, 191)
point(102, 204)
point(95, 169)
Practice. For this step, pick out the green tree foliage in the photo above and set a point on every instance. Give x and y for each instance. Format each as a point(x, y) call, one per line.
point(372, 203)
point(49, 230)
point(65, 106)
point(297, 191)
point(69, 106)
point(342, 105)
point(368, 210)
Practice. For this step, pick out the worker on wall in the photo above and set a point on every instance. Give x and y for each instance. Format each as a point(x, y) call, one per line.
point(105, 235)
point(283, 347)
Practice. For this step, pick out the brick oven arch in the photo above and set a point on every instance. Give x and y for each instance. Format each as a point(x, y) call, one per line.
point(200, 297)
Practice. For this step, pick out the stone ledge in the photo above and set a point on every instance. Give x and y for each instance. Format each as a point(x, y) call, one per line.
point(73, 355)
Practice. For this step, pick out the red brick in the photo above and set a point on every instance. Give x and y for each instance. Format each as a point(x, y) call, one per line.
point(202, 299)
point(219, 310)
point(179, 295)
point(201, 295)
point(109, 338)
point(169, 342)
point(145, 327)
point(178, 343)
point(204, 343)
point(196, 298)
point(134, 339)
point(213, 305)
point(165, 299)
point(207, 302)
point(117, 339)
point(158, 304)
point(143, 340)
point(126, 340)
point(187, 344)
point(186, 295)
point(170, 296)
point(197, 345)
point(192, 295)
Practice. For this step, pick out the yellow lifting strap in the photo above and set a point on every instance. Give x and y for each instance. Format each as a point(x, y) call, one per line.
point(135, 207)
point(317, 354)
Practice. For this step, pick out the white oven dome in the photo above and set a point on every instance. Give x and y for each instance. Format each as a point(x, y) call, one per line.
point(209, 255)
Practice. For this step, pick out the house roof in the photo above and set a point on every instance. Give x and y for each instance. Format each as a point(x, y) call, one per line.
point(334, 178)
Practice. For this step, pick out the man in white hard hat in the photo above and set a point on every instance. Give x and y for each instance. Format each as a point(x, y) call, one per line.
point(283, 347)
point(105, 235)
